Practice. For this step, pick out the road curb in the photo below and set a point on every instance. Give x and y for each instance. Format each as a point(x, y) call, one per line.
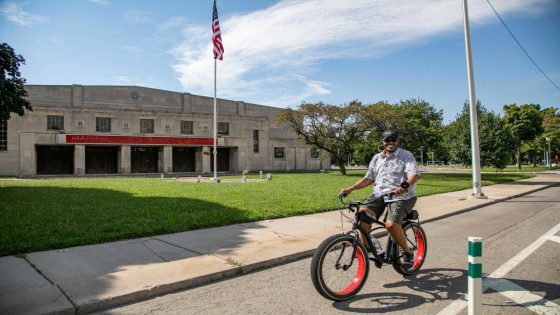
point(151, 292)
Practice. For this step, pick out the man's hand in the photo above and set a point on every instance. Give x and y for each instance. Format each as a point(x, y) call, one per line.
point(399, 191)
point(346, 191)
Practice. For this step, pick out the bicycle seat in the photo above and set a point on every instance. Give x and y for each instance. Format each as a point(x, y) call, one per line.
point(412, 215)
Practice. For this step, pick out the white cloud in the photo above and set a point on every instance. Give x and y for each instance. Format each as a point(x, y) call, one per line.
point(280, 45)
point(138, 17)
point(173, 22)
point(138, 81)
point(102, 2)
point(14, 12)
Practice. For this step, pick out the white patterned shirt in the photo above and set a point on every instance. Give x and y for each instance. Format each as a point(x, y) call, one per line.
point(390, 171)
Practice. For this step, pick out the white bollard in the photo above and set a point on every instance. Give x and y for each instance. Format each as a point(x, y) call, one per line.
point(269, 176)
point(260, 172)
point(475, 275)
point(161, 178)
point(198, 179)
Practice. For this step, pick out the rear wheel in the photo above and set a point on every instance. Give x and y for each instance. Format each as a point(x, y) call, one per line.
point(334, 274)
point(418, 243)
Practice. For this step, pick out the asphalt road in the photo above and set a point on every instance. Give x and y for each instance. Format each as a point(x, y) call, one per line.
point(507, 229)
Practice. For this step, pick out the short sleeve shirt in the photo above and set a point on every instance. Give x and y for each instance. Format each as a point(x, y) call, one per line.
point(391, 171)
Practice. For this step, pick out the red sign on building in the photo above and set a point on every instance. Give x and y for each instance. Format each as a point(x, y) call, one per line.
point(94, 139)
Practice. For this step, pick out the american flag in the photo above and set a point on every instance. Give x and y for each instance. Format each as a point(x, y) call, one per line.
point(217, 36)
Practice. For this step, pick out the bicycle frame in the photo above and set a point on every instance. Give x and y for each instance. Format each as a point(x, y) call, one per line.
point(391, 252)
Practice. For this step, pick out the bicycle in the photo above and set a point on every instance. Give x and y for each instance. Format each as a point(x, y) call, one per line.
point(340, 265)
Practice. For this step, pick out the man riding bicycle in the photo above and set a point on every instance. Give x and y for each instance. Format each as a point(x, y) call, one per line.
point(388, 170)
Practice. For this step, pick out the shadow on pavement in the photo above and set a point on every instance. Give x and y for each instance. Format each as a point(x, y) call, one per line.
point(440, 284)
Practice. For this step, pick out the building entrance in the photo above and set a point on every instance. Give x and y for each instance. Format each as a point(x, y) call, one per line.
point(223, 160)
point(184, 159)
point(144, 159)
point(55, 160)
point(102, 160)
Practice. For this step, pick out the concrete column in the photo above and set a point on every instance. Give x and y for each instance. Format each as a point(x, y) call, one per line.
point(168, 159)
point(79, 159)
point(27, 155)
point(124, 160)
point(206, 159)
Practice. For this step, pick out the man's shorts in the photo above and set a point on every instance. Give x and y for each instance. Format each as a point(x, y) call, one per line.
point(397, 210)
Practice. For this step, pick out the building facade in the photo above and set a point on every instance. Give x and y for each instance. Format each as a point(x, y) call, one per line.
point(133, 130)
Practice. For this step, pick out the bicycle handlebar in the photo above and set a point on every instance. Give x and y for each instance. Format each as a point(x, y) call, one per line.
point(350, 204)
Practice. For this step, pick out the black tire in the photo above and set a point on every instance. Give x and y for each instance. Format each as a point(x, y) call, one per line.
point(332, 281)
point(418, 242)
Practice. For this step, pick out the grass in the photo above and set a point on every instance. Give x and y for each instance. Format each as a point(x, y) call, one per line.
point(42, 214)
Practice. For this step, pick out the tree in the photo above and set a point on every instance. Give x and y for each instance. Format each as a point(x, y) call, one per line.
point(551, 133)
point(378, 117)
point(420, 126)
point(525, 123)
point(12, 92)
point(335, 129)
point(495, 140)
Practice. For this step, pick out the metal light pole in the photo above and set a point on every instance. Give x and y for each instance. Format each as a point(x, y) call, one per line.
point(477, 192)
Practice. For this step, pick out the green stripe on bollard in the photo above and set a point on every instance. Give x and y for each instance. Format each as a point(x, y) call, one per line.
point(475, 249)
point(475, 270)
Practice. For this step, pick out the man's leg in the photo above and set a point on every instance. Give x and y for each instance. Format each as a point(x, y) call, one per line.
point(398, 234)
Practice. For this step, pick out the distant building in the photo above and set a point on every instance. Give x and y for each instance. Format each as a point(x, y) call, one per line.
point(127, 129)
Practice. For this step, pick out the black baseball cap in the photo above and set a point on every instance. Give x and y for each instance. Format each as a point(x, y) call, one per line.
point(389, 134)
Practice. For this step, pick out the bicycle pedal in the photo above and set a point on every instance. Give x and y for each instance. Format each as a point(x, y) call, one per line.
point(378, 264)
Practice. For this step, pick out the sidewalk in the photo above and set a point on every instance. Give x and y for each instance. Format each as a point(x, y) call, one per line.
point(89, 278)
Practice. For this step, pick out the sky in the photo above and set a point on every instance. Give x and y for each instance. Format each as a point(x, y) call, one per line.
point(284, 52)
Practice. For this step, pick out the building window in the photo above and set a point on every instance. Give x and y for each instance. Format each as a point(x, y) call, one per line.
point(315, 153)
point(147, 125)
point(278, 153)
point(55, 122)
point(103, 124)
point(223, 128)
point(4, 136)
point(186, 127)
point(255, 141)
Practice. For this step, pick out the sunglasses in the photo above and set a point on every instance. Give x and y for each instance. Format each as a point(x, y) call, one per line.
point(390, 140)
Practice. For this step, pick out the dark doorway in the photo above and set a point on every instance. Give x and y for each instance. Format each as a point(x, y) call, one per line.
point(55, 160)
point(184, 159)
point(101, 160)
point(144, 159)
point(223, 160)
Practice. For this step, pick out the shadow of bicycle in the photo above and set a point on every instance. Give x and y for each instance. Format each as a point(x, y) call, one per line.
point(433, 284)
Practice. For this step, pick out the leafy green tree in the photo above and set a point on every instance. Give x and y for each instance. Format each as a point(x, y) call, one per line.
point(335, 129)
point(495, 140)
point(12, 92)
point(525, 123)
point(420, 127)
point(378, 117)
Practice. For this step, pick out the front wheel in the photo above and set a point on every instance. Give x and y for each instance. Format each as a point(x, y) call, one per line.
point(334, 274)
point(418, 243)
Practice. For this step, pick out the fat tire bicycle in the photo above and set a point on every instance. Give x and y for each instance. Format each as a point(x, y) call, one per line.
point(340, 265)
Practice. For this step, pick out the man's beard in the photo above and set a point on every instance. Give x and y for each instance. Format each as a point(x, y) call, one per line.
point(394, 147)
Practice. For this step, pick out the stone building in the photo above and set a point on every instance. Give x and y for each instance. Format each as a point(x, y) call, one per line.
point(127, 129)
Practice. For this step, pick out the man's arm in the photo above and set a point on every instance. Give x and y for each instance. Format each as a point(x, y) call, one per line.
point(364, 182)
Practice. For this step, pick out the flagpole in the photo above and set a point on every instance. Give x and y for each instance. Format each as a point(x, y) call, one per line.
point(215, 126)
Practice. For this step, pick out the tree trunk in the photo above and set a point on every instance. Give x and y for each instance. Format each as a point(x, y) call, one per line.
point(341, 167)
point(518, 156)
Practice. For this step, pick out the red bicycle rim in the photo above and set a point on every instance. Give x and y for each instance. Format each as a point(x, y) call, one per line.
point(421, 248)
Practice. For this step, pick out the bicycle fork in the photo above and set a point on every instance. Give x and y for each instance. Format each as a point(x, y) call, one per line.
point(354, 249)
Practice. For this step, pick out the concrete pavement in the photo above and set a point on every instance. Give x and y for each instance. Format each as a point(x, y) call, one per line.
point(89, 278)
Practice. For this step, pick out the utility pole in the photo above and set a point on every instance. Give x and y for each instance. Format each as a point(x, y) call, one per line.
point(475, 149)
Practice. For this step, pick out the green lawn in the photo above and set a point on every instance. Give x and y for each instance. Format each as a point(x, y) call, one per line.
point(41, 214)
point(508, 169)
